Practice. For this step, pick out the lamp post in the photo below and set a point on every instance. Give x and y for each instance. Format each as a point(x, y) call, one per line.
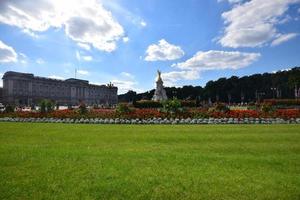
point(229, 98)
point(174, 94)
point(273, 90)
point(242, 97)
point(259, 95)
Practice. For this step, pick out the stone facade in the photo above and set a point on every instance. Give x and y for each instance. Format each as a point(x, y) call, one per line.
point(1, 94)
point(160, 92)
point(27, 89)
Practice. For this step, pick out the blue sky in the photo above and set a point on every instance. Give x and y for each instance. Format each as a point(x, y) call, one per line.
point(126, 41)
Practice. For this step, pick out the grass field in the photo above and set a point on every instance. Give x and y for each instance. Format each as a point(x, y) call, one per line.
point(67, 161)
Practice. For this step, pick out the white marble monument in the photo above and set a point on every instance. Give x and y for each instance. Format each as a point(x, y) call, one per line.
point(160, 92)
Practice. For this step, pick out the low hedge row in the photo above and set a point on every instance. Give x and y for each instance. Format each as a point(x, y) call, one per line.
point(157, 104)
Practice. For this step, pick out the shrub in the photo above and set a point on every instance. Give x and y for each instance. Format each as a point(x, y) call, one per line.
point(57, 106)
point(143, 114)
point(42, 106)
point(200, 114)
point(188, 104)
point(95, 106)
point(171, 106)
point(46, 106)
point(49, 106)
point(9, 108)
point(123, 108)
point(219, 107)
point(283, 102)
point(267, 108)
point(147, 104)
point(82, 108)
point(102, 113)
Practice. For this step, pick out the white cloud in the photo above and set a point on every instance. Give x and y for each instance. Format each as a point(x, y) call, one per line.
point(212, 60)
point(253, 23)
point(281, 70)
point(40, 61)
point(87, 58)
point(171, 78)
point(80, 57)
point(163, 51)
point(209, 60)
point(30, 33)
point(125, 39)
point(84, 46)
point(123, 13)
point(283, 38)
point(23, 55)
point(143, 24)
point(231, 1)
point(127, 75)
point(126, 85)
point(56, 77)
point(285, 19)
point(1, 82)
point(83, 72)
point(125, 82)
point(84, 21)
point(7, 53)
point(22, 58)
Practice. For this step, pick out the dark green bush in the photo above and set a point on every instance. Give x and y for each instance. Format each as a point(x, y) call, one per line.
point(123, 108)
point(200, 115)
point(57, 106)
point(219, 107)
point(188, 104)
point(82, 108)
point(267, 108)
point(95, 106)
point(283, 102)
point(172, 105)
point(147, 104)
point(46, 106)
point(9, 108)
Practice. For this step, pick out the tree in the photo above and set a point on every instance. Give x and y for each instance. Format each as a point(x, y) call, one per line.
point(9, 108)
point(172, 105)
point(285, 81)
point(82, 108)
point(46, 106)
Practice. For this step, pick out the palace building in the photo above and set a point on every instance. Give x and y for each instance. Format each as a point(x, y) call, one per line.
point(27, 89)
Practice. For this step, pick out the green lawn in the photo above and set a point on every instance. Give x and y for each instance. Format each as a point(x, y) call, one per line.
point(68, 161)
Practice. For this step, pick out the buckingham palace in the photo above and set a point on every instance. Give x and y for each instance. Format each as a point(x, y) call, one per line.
point(27, 89)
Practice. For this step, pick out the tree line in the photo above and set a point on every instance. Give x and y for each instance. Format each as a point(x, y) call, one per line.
point(235, 89)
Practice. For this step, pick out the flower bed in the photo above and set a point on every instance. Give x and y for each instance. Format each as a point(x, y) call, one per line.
point(155, 113)
point(172, 121)
point(285, 102)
